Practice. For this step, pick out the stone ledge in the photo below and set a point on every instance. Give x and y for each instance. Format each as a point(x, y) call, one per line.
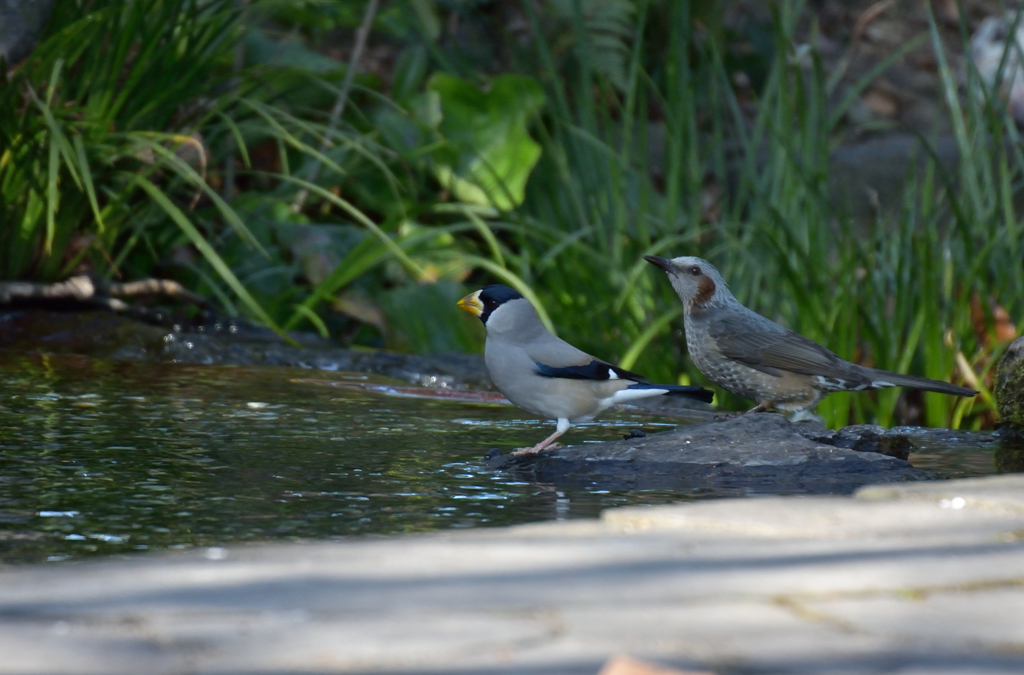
point(787, 586)
point(996, 493)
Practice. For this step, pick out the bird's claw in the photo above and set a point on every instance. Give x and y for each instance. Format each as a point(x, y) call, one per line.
point(533, 450)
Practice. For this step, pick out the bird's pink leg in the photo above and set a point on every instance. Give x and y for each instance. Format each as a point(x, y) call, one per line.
point(760, 407)
point(563, 426)
point(540, 446)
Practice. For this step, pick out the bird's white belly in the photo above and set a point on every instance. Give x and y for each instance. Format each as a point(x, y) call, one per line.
point(554, 398)
point(550, 397)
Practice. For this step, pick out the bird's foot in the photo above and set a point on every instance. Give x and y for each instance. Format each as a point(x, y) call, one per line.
point(533, 450)
point(807, 415)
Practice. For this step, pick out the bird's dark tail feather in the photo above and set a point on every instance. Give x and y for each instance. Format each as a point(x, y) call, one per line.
point(883, 378)
point(679, 390)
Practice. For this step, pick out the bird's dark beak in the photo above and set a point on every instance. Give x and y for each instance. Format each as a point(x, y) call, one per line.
point(658, 261)
point(471, 303)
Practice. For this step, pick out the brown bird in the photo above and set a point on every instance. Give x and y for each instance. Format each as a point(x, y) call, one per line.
point(756, 358)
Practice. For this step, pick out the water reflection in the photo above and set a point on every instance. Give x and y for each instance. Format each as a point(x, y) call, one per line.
point(104, 457)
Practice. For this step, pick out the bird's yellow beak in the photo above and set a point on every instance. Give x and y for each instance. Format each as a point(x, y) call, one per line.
point(471, 303)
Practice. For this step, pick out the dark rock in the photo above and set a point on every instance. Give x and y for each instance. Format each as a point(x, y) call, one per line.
point(21, 21)
point(860, 437)
point(634, 433)
point(450, 370)
point(1009, 387)
point(747, 454)
point(114, 337)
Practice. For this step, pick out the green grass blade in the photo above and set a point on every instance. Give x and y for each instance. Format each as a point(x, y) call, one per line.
point(208, 252)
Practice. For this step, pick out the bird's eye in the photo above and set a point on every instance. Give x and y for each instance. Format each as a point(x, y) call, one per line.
point(695, 271)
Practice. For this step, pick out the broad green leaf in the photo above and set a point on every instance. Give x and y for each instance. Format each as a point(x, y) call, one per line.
point(489, 155)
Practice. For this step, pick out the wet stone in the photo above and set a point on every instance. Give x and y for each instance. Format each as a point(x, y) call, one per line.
point(1009, 393)
point(862, 438)
point(744, 454)
point(1009, 387)
point(109, 336)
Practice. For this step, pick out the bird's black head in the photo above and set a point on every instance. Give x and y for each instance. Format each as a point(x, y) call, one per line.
point(488, 299)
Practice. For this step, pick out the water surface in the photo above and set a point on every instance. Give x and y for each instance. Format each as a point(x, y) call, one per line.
point(105, 457)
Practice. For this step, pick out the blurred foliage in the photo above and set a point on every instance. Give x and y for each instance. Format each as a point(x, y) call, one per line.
point(545, 145)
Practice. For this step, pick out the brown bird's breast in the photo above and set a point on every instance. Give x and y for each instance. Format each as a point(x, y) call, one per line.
point(785, 391)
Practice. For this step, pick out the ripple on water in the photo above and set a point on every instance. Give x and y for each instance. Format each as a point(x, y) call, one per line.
point(174, 456)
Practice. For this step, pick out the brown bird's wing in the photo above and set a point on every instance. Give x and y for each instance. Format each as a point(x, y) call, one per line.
point(766, 346)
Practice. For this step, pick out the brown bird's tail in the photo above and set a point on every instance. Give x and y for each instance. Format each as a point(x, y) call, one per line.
point(881, 379)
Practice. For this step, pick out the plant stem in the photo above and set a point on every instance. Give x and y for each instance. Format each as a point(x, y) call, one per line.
point(339, 105)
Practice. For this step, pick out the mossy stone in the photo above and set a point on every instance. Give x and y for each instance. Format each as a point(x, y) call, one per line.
point(1009, 388)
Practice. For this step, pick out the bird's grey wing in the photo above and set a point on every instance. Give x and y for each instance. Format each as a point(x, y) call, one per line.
point(595, 370)
point(557, 358)
point(770, 348)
